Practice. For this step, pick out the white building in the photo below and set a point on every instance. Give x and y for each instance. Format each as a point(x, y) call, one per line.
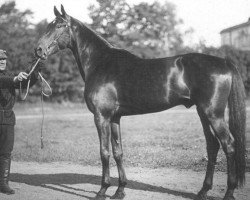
point(237, 36)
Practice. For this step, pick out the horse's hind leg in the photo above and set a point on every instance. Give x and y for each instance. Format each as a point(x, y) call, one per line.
point(118, 156)
point(103, 128)
point(212, 151)
point(226, 139)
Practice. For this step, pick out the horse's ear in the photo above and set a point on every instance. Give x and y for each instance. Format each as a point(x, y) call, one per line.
point(56, 12)
point(64, 14)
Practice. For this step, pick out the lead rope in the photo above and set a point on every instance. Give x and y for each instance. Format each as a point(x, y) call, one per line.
point(41, 133)
point(28, 84)
point(43, 81)
point(43, 93)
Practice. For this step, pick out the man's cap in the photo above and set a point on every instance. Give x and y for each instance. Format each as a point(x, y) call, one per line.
point(3, 54)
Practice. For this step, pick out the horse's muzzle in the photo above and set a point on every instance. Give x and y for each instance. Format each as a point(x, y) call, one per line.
point(40, 53)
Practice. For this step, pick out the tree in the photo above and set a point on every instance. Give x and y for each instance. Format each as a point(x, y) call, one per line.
point(17, 35)
point(148, 30)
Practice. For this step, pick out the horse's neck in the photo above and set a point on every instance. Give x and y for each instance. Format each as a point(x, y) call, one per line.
point(88, 49)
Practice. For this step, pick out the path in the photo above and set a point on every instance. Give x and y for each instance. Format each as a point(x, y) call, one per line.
point(66, 181)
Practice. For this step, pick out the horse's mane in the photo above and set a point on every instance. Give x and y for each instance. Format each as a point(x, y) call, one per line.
point(118, 52)
point(91, 32)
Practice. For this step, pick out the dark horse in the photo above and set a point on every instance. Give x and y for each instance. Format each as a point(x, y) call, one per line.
point(118, 83)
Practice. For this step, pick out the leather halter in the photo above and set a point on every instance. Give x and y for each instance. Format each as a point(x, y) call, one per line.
point(55, 41)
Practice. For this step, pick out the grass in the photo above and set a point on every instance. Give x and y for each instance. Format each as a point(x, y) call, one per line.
point(153, 140)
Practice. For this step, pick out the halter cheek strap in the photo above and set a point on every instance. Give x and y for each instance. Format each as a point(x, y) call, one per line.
point(55, 41)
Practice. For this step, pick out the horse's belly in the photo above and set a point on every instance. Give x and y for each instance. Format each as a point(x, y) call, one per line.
point(143, 104)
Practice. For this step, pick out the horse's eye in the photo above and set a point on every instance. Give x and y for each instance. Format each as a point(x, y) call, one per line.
point(61, 25)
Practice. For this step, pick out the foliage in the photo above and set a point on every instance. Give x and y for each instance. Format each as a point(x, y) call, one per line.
point(17, 35)
point(148, 30)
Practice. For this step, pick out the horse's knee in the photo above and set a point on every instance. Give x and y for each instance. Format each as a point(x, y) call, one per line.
point(118, 154)
point(105, 155)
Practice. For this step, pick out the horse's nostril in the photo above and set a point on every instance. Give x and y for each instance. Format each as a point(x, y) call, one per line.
point(39, 49)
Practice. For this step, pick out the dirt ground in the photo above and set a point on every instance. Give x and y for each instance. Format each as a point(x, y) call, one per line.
point(67, 181)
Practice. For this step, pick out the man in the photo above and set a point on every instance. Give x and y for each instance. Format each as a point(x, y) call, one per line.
point(8, 84)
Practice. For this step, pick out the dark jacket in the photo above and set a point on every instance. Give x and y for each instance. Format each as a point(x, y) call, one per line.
point(8, 95)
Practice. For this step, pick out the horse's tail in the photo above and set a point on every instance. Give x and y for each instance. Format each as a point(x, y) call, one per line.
point(237, 121)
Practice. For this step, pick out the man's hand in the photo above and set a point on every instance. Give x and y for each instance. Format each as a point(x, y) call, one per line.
point(21, 76)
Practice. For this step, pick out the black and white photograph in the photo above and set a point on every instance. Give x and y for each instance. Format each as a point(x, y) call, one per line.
point(124, 99)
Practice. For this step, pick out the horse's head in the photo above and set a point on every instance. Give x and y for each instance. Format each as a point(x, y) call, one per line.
point(56, 37)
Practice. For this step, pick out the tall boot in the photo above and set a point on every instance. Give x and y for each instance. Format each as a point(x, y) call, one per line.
point(4, 175)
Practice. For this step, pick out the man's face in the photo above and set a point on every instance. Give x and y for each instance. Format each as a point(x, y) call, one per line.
point(2, 63)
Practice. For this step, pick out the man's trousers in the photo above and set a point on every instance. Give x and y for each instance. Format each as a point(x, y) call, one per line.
point(6, 140)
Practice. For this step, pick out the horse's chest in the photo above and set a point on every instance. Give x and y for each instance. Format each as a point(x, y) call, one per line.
point(102, 97)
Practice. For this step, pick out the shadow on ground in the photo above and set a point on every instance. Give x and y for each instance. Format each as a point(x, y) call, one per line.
point(44, 180)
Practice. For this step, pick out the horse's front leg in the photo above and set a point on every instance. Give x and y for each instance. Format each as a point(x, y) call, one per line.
point(103, 128)
point(118, 156)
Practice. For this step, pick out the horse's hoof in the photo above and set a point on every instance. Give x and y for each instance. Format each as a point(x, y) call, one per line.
point(201, 196)
point(99, 197)
point(229, 197)
point(118, 195)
